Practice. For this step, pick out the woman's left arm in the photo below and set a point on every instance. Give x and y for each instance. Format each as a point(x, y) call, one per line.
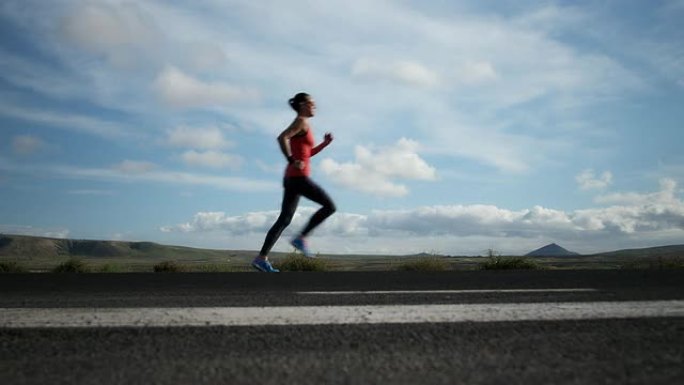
point(326, 141)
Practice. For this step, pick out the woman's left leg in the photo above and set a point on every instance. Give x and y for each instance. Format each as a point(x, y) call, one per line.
point(314, 192)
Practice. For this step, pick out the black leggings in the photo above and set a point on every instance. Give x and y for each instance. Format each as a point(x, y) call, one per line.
point(296, 187)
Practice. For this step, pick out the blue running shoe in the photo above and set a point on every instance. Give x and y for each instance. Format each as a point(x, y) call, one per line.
point(300, 244)
point(264, 265)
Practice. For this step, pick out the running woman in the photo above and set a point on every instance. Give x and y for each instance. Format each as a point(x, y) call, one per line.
point(297, 145)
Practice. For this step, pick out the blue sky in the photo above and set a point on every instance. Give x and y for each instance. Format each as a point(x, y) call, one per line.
point(459, 126)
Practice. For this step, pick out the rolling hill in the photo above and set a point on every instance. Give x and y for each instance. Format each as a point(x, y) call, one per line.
point(649, 252)
point(41, 252)
point(41, 247)
point(21, 246)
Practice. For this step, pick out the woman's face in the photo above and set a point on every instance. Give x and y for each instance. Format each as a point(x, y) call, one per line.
point(308, 108)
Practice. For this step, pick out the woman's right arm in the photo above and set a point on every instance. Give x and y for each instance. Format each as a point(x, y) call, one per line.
point(284, 138)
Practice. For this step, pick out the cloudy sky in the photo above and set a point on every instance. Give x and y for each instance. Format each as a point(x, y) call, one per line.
point(460, 126)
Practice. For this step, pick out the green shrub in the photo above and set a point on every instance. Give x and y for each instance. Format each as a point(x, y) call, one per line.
point(73, 265)
point(509, 263)
point(425, 264)
point(297, 262)
point(168, 267)
point(12, 267)
point(110, 268)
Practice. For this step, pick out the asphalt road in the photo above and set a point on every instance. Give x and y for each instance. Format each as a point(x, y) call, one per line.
point(608, 350)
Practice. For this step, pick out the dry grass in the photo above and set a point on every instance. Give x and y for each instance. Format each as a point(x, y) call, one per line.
point(169, 267)
point(425, 264)
point(12, 267)
point(296, 262)
point(73, 265)
point(509, 263)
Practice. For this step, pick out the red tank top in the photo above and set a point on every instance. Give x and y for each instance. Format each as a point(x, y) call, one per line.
point(301, 146)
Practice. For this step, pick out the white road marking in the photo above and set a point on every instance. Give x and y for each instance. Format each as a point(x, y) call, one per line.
point(320, 315)
point(474, 291)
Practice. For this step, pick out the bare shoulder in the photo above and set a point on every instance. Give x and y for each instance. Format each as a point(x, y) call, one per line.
point(297, 127)
point(301, 124)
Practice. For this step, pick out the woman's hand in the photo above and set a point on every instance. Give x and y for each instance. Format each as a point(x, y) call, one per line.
point(298, 164)
point(326, 141)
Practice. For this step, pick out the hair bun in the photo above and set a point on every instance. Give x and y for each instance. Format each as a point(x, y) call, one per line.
point(298, 99)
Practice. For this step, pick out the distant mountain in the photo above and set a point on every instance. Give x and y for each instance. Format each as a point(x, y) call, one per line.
point(29, 247)
point(552, 250)
point(649, 252)
point(21, 246)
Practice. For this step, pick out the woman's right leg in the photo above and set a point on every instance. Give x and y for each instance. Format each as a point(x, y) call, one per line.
point(287, 210)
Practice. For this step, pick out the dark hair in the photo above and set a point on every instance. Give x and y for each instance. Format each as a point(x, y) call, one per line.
point(298, 99)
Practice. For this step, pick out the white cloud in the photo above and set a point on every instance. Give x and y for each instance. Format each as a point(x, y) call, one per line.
point(655, 215)
point(401, 161)
point(634, 213)
point(120, 32)
point(351, 175)
point(204, 138)
point(479, 48)
point(477, 72)
point(134, 167)
point(213, 159)
point(27, 144)
point(219, 221)
point(205, 143)
point(206, 56)
point(374, 169)
point(171, 177)
point(183, 91)
point(67, 121)
point(454, 135)
point(551, 17)
point(101, 26)
point(401, 71)
point(142, 172)
point(667, 194)
point(588, 180)
point(341, 224)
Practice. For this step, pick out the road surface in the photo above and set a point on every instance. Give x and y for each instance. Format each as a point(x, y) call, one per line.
point(478, 327)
